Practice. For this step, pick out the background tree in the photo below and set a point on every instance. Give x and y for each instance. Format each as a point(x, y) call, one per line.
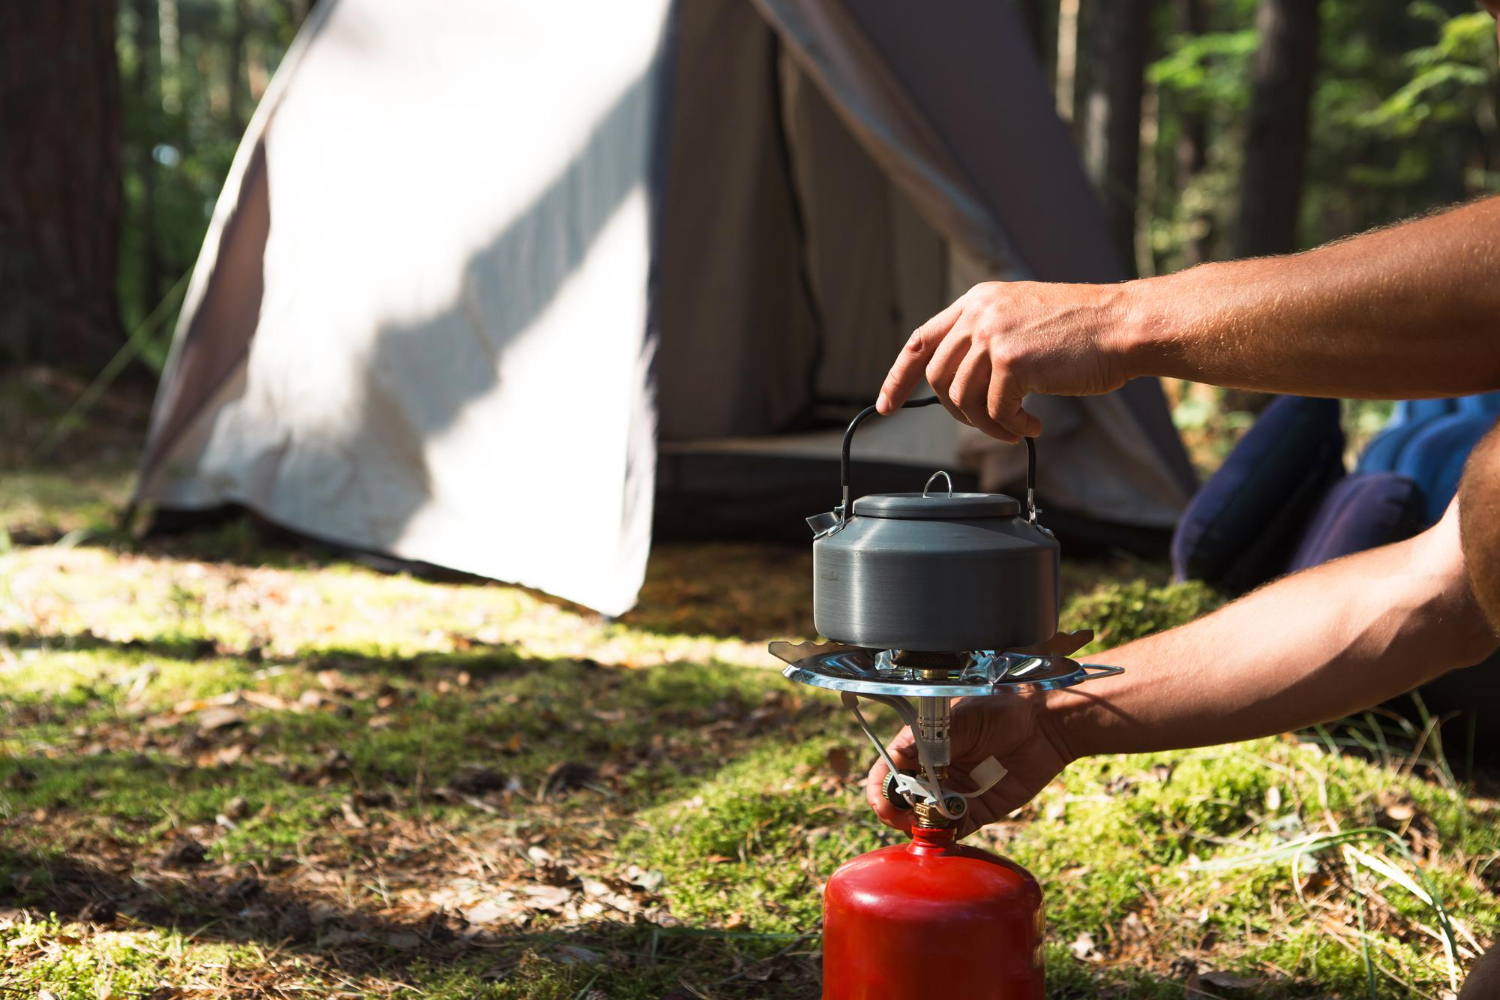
point(60, 166)
point(1039, 17)
point(143, 126)
point(1191, 155)
point(1275, 159)
point(1119, 34)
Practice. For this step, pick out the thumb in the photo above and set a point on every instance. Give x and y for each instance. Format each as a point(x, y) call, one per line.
point(903, 750)
point(903, 754)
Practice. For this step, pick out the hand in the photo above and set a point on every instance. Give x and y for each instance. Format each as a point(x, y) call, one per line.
point(1013, 728)
point(1004, 339)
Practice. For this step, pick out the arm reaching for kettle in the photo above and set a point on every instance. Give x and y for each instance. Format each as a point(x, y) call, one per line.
point(1409, 310)
point(1308, 648)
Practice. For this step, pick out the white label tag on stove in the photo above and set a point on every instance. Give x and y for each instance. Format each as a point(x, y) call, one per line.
point(987, 774)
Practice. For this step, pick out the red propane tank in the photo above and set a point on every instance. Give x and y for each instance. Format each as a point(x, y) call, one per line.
point(932, 918)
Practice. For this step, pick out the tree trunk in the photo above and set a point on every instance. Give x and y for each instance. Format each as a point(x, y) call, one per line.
point(60, 162)
point(171, 56)
point(145, 84)
point(1067, 58)
point(1192, 147)
point(235, 64)
point(1286, 61)
point(1034, 16)
point(1120, 36)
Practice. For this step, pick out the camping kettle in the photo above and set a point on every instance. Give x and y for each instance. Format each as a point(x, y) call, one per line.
point(934, 570)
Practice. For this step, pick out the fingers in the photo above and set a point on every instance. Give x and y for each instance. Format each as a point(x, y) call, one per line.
point(874, 795)
point(969, 392)
point(912, 361)
point(1006, 395)
point(903, 753)
point(943, 369)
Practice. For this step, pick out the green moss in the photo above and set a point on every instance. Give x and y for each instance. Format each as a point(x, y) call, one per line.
point(716, 773)
point(1120, 612)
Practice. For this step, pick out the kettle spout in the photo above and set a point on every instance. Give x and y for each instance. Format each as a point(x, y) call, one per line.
point(825, 524)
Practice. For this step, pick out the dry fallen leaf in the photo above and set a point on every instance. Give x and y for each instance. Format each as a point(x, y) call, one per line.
point(597, 890)
point(215, 718)
point(502, 909)
point(572, 954)
point(1399, 812)
point(351, 815)
point(840, 761)
point(184, 853)
point(403, 940)
point(1232, 981)
point(261, 699)
point(650, 881)
point(547, 897)
point(1083, 947)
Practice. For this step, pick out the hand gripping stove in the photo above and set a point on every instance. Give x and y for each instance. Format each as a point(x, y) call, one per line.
point(927, 597)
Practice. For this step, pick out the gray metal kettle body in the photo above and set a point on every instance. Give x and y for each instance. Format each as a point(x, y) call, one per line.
point(934, 572)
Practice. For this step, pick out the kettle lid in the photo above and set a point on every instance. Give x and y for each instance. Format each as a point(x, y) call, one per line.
point(937, 506)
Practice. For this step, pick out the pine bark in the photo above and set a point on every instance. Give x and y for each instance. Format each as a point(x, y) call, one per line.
point(1034, 18)
point(144, 82)
point(1192, 144)
point(1271, 182)
point(235, 64)
point(1120, 36)
point(60, 173)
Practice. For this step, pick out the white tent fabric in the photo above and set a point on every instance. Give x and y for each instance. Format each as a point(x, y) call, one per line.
point(494, 246)
point(441, 313)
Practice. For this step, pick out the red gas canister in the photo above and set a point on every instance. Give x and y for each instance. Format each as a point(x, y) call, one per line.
point(932, 918)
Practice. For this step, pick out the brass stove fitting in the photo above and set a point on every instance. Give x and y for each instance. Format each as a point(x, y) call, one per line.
point(928, 815)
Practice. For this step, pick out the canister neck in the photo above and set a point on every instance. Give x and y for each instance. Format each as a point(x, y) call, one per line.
point(931, 841)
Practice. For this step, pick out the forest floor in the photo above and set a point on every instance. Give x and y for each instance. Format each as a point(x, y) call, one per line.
point(235, 766)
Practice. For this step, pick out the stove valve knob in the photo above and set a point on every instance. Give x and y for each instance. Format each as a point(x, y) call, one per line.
point(894, 795)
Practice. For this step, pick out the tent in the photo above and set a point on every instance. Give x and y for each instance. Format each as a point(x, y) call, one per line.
point(490, 283)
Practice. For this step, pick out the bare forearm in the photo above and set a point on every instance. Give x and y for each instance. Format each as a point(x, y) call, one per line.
point(1406, 311)
point(1307, 649)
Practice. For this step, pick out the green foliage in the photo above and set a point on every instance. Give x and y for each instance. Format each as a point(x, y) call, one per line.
point(180, 127)
point(1403, 120)
point(1449, 79)
point(1120, 612)
point(1207, 71)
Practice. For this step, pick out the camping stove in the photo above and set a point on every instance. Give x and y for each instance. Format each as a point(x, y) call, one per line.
point(927, 597)
point(920, 688)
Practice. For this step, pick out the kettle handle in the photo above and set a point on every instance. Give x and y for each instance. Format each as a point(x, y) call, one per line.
point(845, 510)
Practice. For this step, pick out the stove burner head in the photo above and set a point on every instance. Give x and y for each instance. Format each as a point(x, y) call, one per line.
point(919, 660)
point(928, 674)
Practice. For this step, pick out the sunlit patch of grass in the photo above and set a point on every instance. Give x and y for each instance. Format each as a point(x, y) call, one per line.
point(45, 505)
point(1119, 611)
point(685, 754)
point(756, 840)
point(75, 962)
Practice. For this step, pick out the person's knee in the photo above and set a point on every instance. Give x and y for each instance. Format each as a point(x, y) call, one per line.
point(1484, 982)
point(1479, 524)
